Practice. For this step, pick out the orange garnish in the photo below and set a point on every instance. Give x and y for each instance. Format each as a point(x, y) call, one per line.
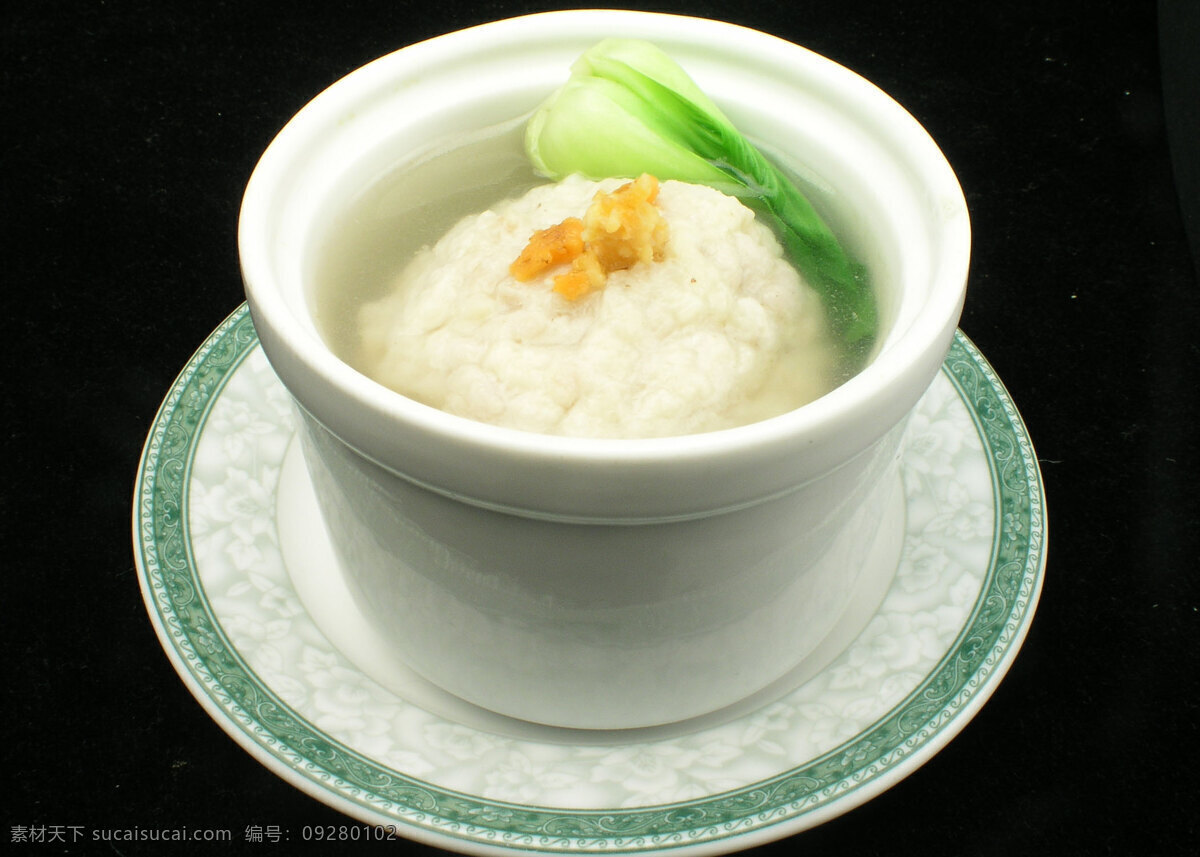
point(619, 230)
point(623, 228)
point(548, 248)
point(586, 276)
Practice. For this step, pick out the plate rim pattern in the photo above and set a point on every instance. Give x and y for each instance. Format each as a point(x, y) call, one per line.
point(891, 748)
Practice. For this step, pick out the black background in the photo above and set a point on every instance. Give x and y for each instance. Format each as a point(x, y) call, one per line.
point(130, 129)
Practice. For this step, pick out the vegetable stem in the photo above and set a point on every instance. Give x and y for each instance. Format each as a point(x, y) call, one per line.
point(628, 108)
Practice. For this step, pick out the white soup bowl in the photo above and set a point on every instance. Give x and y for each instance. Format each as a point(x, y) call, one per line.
point(600, 583)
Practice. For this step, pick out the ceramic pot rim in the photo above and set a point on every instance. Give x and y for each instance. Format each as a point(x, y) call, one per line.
point(391, 429)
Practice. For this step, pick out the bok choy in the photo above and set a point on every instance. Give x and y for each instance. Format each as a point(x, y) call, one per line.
point(628, 108)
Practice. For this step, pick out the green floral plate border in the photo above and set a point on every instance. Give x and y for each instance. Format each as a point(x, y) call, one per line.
point(221, 603)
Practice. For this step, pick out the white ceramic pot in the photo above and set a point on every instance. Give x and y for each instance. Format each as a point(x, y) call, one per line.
point(609, 583)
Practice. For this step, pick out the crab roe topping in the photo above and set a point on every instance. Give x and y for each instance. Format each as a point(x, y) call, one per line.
point(619, 230)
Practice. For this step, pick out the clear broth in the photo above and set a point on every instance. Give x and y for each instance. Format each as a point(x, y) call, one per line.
point(415, 204)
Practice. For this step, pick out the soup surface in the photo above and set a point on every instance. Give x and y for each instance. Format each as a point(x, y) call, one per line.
point(414, 290)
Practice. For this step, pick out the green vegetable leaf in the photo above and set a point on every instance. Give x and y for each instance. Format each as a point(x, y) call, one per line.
point(628, 109)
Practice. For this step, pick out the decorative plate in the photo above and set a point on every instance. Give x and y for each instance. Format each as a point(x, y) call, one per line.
point(226, 608)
